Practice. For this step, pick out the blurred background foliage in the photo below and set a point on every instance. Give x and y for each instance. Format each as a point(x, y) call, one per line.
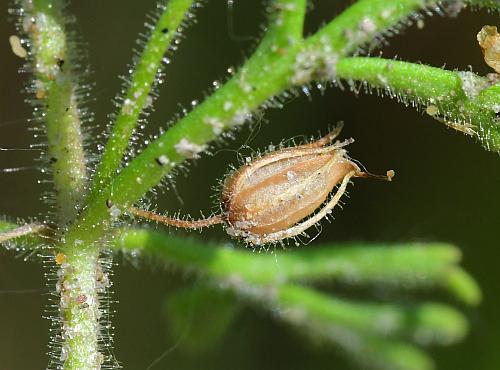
point(444, 190)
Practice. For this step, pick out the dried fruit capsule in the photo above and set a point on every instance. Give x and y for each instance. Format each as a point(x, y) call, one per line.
point(276, 196)
point(264, 201)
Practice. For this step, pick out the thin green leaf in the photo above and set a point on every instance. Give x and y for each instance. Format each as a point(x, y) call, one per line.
point(406, 266)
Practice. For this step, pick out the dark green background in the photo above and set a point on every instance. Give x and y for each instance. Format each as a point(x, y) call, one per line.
point(444, 189)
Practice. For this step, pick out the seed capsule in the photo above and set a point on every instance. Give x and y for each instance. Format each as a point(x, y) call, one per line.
point(264, 201)
point(276, 196)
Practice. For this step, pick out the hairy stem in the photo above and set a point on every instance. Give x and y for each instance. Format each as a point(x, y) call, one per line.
point(172, 221)
point(56, 94)
point(28, 229)
point(142, 80)
point(79, 306)
point(29, 241)
point(462, 100)
point(76, 347)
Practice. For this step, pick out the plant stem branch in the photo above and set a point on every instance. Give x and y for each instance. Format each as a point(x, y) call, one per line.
point(361, 22)
point(78, 286)
point(43, 237)
point(142, 81)
point(284, 60)
point(286, 23)
point(76, 347)
point(173, 221)
point(56, 94)
point(25, 230)
point(462, 100)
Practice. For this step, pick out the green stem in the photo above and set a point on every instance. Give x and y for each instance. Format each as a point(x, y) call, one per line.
point(463, 100)
point(406, 266)
point(21, 231)
point(55, 90)
point(142, 80)
point(28, 236)
point(81, 280)
point(286, 23)
point(361, 22)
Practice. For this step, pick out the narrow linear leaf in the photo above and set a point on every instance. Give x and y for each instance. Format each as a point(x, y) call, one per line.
point(424, 324)
point(403, 266)
point(463, 286)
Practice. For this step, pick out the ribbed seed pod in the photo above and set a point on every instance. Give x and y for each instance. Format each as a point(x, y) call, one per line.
point(265, 200)
point(280, 194)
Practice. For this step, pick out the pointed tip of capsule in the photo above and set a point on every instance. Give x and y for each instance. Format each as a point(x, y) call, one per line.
point(387, 177)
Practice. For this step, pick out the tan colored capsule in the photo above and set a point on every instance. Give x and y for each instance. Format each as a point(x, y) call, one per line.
point(265, 200)
point(282, 193)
